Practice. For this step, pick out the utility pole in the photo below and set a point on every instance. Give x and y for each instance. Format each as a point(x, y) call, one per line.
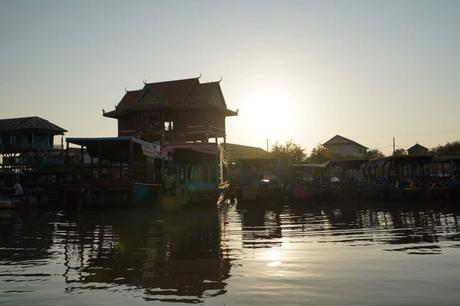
point(394, 146)
point(267, 144)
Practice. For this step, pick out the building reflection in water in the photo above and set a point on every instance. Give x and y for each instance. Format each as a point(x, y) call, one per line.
point(418, 228)
point(188, 255)
point(172, 256)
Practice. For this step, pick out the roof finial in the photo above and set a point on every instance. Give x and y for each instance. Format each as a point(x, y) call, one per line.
point(220, 79)
point(126, 89)
point(199, 76)
point(144, 81)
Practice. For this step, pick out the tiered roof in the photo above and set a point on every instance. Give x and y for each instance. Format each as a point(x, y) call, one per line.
point(176, 94)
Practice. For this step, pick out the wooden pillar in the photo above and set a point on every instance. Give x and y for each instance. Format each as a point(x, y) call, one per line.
point(81, 160)
point(67, 155)
point(99, 153)
point(130, 160)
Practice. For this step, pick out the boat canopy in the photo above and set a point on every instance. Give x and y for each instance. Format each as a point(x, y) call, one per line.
point(307, 166)
point(118, 148)
point(402, 160)
point(206, 148)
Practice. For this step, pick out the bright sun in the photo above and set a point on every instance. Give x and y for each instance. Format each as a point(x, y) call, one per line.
point(270, 115)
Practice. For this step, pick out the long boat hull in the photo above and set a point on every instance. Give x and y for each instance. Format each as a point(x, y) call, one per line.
point(109, 195)
point(17, 202)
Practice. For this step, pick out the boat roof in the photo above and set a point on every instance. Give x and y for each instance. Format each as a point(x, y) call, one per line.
point(324, 165)
point(117, 148)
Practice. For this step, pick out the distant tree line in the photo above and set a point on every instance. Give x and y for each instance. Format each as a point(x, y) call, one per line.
point(449, 149)
point(292, 153)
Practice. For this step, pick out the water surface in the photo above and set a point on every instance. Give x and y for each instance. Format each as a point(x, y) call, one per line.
point(233, 254)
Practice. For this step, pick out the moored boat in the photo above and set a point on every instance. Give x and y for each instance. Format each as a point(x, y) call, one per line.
point(199, 174)
point(116, 171)
point(17, 202)
point(259, 181)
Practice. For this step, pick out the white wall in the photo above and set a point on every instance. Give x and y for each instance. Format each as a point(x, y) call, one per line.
point(346, 149)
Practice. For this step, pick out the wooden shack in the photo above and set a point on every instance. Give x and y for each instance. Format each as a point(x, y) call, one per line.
point(171, 112)
point(27, 134)
point(122, 171)
point(27, 151)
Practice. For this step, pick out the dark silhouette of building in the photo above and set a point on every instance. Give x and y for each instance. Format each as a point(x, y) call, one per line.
point(340, 145)
point(417, 150)
point(173, 112)
point(27, 134)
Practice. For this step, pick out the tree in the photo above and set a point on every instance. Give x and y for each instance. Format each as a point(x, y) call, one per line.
point(399, 152)
point(449, 149)
point(374, 153)
point(289, 153)
point(319, 155)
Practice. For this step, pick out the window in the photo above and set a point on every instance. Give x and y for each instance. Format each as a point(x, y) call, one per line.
point(196, 174)
point(169, 126)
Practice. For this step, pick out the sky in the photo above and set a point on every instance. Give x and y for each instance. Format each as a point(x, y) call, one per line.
point(296, 70)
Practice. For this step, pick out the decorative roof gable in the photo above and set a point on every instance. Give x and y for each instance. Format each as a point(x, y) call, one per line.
point(177, 93)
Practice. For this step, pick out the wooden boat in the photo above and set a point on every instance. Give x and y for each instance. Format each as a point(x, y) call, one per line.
point(199, 171)
point(259, 180)
point(10, 202)
point(306, 181)
point(117, 172)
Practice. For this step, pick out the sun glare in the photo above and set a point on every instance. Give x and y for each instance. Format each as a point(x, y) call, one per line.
point(272, 257)
point(270, 115)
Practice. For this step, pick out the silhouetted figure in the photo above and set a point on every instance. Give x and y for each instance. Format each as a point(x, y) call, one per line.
point(17, 188)
point(169, 183)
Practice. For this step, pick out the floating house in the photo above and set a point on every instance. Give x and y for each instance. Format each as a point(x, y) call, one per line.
point(170, 112)
point(123, 171)
point(27, 134)
point(199, 171)
point(27, 147)
point(165, 129)
point(339, 145)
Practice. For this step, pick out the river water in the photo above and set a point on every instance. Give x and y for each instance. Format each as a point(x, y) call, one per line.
point(232, 255)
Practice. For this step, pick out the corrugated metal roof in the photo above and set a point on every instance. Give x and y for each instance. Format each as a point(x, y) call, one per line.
point(29, 123)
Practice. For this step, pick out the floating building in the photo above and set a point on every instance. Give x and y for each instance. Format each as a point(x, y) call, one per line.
point(172, 112)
